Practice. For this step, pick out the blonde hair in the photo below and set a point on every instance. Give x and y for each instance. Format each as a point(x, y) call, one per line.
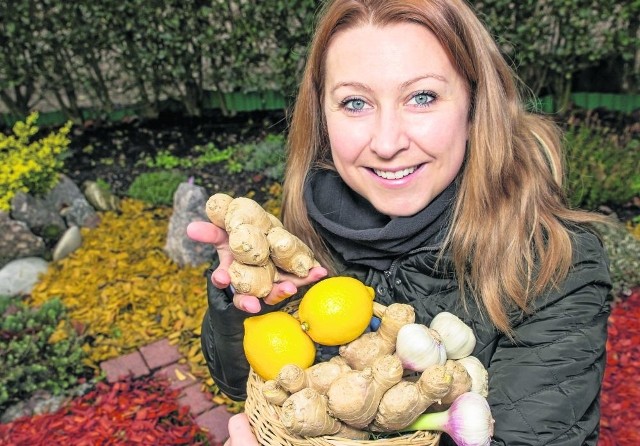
point(510, 237)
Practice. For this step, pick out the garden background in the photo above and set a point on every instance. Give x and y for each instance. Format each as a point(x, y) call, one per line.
point(140, 97)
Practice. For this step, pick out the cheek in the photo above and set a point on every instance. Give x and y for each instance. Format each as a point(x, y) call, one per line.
point(346, 139)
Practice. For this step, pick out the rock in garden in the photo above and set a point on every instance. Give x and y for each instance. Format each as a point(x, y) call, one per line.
point(188, 205)
point(17, 240)
point(40, 216)
point(20, 276)
point(67, 198)
point(100, 198)
point(80, 213)
point(70, 241)
point(63, 193)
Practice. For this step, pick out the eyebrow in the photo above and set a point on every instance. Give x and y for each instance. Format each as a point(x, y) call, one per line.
point(361, 86)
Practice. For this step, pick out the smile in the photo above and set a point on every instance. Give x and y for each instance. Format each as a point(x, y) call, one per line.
point(388, 175)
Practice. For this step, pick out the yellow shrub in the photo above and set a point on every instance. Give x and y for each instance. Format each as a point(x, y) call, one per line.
point(30, 166)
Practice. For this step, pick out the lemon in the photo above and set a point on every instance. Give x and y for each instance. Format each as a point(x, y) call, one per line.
point(336, 310)
point(274, 340)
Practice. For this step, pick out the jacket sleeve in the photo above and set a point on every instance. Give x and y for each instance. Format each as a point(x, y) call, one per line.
point(545, 383)
point(221, 339)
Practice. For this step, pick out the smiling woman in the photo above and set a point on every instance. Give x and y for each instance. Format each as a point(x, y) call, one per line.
point(414, 167)
point(397, 119)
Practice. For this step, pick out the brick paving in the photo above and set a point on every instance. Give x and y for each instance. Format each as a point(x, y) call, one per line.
point(162, 359)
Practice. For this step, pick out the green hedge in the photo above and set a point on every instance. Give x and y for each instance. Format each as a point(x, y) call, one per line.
point(102, 56)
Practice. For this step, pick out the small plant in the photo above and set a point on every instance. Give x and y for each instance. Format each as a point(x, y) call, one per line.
point(156, 188)
point(166, 160)
point(602, 166)
point(30, 166)
point(39, 350)
point(210, 154)
point(266, 157)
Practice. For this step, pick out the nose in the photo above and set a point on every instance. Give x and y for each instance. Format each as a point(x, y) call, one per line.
point(389, 136)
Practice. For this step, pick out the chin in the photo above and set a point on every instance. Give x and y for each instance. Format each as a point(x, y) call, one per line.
point(397, 211)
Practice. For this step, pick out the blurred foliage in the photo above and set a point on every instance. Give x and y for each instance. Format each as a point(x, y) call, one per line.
point(266, 156)
point(39, 350)
point(550, 41)
point(156, 188)
point(602, 163)
point(30, 165)
point(624, 256)
point(95, 54)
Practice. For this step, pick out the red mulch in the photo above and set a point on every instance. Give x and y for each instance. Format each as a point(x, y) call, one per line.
point(125, 413)
point(620, 424)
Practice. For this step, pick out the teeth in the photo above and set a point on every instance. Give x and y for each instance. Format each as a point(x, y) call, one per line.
point(394, 175)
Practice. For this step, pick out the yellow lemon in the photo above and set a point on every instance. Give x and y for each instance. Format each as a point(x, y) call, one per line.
point(336, 310)
point(274, 340)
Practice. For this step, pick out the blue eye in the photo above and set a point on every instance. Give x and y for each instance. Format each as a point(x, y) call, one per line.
point(354, 104)
point(423, 98)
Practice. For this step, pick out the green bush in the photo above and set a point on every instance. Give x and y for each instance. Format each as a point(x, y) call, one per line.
point(602, 165)
point(624, 254)
point(266, 157)
point(156, 188)
point(38, 350)
point(30, 166)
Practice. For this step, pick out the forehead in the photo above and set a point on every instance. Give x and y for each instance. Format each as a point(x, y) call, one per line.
point(396, 51)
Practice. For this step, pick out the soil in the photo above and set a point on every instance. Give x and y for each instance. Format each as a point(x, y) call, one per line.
point(115, 153)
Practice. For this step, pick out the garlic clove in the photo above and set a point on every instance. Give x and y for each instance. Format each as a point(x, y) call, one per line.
point(477, 372)
point(457, 337)
point(419, 347)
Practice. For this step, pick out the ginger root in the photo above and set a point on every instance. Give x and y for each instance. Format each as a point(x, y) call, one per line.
point(305, 413)
point(259, 244)
point(319, 377)
point(403, 403)
point(354, 396)
point(461, 383)
point(369, 347)
point(273, 393)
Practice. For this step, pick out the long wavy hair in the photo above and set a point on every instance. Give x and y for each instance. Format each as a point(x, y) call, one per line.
point(510, 237)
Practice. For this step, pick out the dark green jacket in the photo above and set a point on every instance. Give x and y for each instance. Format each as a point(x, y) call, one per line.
point(543, 386)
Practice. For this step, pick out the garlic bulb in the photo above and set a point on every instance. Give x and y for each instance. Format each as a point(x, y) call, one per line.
point(419, 347)
point(457, 337)
point(468, 421)
point(477, 372)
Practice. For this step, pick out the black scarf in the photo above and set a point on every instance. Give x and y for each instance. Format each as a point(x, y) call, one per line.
point(361, 234)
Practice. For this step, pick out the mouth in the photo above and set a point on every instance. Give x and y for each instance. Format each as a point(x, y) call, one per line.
point(395, 174)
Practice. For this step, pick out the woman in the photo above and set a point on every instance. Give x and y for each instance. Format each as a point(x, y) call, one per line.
point(413, 166)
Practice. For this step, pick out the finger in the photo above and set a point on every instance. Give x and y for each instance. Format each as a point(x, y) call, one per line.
point(288, 286)
point(205, 232)
point(240, 431)
point(244, 302)
point(220, 278)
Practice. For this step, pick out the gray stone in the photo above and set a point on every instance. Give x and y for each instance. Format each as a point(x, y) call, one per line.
point(38, 214)
point(17, 240)
point(80, 213)
point(70, 241)
point(67, 198)
point(63, 193)
point(19, 276)
point(100, 198)
point(188, 205)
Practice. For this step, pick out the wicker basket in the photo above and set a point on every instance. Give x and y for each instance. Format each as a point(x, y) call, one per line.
point(265, 420)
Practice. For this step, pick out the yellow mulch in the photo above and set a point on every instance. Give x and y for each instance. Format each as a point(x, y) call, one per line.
point(126, 292)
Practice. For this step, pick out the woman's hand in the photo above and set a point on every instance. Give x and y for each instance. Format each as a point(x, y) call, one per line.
point(286, 286)
point(240, 433)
